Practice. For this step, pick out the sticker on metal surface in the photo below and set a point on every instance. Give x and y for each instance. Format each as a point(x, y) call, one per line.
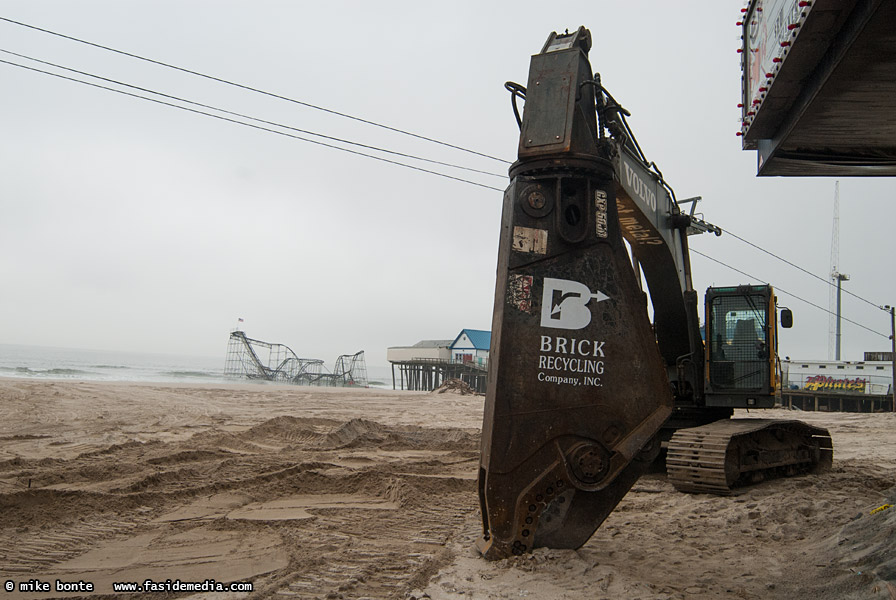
point(526, 239)
point(600, 213)
point(519, 292)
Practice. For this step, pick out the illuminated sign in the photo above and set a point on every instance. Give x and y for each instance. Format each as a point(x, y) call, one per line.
point(769, 28)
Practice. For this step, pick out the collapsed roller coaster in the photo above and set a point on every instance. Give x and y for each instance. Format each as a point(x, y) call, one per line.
point(255, 359)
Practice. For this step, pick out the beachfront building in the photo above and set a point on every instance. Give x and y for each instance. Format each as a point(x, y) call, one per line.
point(471, 346)
point(439, 350)
point(855, 386)
point(429, 363)
point(859, 377)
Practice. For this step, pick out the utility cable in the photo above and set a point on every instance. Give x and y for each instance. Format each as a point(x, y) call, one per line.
point(366, 121)
point(222, 118)
point(256, 90)
point(795, 266)
point(782, 290)
point(244, 116)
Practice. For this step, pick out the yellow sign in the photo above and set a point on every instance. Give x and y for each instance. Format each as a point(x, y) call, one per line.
point(829, 384)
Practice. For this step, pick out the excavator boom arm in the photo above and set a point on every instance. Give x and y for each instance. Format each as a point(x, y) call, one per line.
point(656, 230)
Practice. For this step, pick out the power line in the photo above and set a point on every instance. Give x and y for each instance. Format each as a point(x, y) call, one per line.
point(807, 272)
point(241, 115)
point(244, 116)
point(782, 290)
point(223, 118)
point(256, 90)
point(344, 115)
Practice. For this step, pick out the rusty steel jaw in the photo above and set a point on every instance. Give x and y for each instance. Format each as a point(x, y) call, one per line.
point(577, 389)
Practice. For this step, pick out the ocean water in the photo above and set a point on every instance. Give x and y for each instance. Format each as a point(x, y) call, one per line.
point(40, 362)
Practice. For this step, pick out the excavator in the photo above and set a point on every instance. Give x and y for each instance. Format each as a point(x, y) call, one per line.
point(585, 391)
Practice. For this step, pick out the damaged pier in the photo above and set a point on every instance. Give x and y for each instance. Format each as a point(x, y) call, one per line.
point(255, 359)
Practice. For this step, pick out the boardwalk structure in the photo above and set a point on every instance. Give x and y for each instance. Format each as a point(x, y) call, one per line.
point(426, 374)
point(818, 81)
point(429, 363)
point(836, 402)
point(839, 385)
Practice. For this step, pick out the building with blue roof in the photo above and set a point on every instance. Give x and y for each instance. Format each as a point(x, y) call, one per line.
point(429, 363)
point(471, 345)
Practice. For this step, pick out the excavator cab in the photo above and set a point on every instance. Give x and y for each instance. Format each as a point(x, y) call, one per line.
point(741, 372)
point(741, 346)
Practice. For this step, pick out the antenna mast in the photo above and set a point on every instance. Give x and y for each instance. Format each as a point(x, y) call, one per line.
point(834, 302)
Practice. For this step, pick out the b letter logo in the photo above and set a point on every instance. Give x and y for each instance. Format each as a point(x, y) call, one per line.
point(564, 304)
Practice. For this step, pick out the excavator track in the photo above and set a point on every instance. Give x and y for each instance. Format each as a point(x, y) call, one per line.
point(721, 456)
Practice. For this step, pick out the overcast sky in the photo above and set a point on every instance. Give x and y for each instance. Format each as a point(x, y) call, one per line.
point(129, 225)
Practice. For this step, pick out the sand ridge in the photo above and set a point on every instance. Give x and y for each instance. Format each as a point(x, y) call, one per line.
point(328, 493)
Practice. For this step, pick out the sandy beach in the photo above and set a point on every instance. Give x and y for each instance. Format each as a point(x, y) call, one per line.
point(342, 493)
